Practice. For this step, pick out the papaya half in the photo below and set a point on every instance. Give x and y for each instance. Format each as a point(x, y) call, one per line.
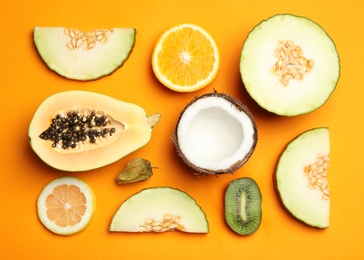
point(80, 130)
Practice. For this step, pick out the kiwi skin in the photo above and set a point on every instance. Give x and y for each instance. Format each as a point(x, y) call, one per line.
point(253, 202)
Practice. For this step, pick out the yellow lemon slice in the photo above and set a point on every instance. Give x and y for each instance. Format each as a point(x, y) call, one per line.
point(66, 205)
point(185, 58)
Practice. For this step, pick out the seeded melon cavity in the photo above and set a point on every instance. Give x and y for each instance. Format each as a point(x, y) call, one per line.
point(81, 130)
point(215, 134)
point(301, 177)
point(289, 65)
point(84, 55)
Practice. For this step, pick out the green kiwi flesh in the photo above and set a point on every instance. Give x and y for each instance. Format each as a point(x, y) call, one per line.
point(243, 212)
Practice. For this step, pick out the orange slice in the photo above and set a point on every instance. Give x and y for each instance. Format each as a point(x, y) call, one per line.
point(66, 205)
point(185, 58)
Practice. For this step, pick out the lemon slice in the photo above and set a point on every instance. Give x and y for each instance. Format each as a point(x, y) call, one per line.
point(66, 205)
point(185, 58)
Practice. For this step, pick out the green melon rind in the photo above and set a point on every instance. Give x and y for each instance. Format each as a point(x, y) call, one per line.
point(155, 203)
point(257, 60)
point(100, 61)
point(297, 198)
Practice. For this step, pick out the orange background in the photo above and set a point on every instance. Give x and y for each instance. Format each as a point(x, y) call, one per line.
point(26, 82)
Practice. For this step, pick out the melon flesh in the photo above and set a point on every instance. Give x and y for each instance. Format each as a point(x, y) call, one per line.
point(83, 63)
point(157, 204)
point(258, 58)
point(305, 203)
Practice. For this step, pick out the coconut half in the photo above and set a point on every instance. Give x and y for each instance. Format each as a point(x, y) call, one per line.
point(215, 134)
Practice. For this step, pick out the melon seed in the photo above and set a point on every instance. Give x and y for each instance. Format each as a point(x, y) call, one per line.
point(67, 130)
point(291, 63)
point(80, 38)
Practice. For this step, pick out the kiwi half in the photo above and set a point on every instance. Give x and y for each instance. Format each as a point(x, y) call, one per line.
point(243, 200)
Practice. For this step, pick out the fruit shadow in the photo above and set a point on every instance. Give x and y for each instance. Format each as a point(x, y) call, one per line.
point(258, 112)
point(40, 166)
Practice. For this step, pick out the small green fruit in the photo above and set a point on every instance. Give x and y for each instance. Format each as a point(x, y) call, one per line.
point(137, 169)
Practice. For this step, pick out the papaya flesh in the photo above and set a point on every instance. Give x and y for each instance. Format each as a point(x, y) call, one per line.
point(81, 130)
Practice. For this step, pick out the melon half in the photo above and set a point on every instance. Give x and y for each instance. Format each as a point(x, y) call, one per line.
point(80, 55)
point(289, 65)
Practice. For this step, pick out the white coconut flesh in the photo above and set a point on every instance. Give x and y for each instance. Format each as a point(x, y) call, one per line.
point(97, 53)
point(305, 194)
point(312, 87)
point(214, 134)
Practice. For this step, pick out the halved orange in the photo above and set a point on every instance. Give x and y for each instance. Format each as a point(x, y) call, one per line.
point(66, 205)
point(185, 58)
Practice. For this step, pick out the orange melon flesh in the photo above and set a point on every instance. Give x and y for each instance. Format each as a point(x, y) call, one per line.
point(136, 133)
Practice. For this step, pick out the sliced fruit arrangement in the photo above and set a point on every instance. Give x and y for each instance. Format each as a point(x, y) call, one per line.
point(185, 58)
point(81, 55)
point(215, 134)
point(243, 212)
point(289, 65)
point(66, 206)
point(160, 209)
point(81, 130)
point(301, 177)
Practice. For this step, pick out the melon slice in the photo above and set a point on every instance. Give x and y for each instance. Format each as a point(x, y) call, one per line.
point(289, 65)
point(80, 55)
point(160, 209)
point(301, 177)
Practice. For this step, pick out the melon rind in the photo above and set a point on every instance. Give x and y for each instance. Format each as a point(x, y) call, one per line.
point(155, 203)
point(257, 60)
point(301, 201)
point(81, 64)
